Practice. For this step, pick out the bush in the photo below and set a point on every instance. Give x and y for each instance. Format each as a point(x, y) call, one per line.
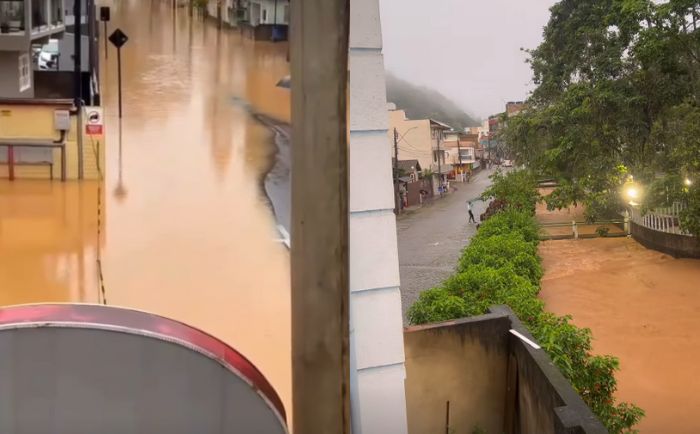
point(501, 266)
point(511, 221)
point(507, 250)
point(437, 304)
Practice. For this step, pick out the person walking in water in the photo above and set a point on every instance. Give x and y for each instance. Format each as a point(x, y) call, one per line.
point(471, 214)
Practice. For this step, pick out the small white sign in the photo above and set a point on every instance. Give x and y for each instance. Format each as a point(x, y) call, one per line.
point(25, 73)
point(94, 122)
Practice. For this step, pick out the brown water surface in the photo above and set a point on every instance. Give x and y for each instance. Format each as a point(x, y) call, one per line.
point(643, 307)
point(186, 231)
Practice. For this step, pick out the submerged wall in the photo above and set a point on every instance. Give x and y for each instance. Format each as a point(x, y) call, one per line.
point(34, 119)
point(676, 245)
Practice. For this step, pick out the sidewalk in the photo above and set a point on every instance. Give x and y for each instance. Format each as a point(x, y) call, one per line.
point(431, 238)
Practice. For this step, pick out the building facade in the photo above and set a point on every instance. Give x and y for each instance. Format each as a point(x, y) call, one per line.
point(24, 23)
point(420, 140)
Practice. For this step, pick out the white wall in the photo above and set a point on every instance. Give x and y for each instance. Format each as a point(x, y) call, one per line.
point(378, 401)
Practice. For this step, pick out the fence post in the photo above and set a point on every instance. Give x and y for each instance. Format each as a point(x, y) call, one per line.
point(627, 222)
point(575, 228)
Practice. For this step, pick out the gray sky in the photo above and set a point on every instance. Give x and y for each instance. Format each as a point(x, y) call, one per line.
point(469, 50)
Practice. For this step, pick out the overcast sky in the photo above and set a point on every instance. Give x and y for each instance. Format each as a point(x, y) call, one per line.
point(469, 50)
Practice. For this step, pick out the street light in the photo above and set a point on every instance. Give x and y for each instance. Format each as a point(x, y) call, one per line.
point(632, 192)
point(688, 182)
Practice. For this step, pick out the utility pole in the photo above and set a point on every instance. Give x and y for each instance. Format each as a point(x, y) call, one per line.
point(439, 136)
point(459, 155)
point(396, 152)
point(78, 81)
point(395, 174)
point(320, 213)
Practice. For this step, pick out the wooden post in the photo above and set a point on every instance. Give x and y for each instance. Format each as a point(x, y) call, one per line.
point(319, 238)
point(11, 162)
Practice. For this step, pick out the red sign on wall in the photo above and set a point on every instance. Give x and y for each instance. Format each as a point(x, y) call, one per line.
point(94, 124)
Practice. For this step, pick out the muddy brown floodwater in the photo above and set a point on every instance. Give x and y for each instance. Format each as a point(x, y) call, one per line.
point(643, 307)
point(187, 231)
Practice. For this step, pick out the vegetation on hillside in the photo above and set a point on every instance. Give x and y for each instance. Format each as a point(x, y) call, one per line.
point(618, 94)
point(423, 103)
point(501, 266)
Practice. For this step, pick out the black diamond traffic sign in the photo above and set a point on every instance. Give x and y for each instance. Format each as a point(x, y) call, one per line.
point(118, 38)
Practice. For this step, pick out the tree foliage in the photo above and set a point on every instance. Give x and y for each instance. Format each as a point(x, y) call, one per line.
point(617, 94)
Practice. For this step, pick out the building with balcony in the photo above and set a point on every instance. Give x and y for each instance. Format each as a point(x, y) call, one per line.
point(24, 23)
point(41, 136)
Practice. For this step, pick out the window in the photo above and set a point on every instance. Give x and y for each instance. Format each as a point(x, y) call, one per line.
point(286, 14)
point(264, 15)
point(11, 16)
point(25, 78)
point(56, 12)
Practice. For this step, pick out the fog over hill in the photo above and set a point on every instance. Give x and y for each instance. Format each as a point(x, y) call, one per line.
point(421, 102)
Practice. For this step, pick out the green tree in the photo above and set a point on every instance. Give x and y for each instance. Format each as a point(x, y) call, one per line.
point(617, 94)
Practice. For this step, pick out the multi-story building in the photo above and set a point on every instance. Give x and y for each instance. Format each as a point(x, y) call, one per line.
point(37, 49)
point(420, 140)
point(515, 107)
point(496, 148)
point(462, 151)
point(24, 23)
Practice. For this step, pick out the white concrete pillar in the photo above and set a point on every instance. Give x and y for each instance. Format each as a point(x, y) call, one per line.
point(376, 328)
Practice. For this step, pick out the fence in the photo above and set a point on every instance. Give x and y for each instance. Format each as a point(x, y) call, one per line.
point(581, 229)
point(661, 219)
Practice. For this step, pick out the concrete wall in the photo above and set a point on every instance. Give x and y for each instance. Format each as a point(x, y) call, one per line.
point(9, 76)
point(416, 138)
point(464, 363)
point(679, 246)
point(33, 121)
point(493, 380)
point(377, 371)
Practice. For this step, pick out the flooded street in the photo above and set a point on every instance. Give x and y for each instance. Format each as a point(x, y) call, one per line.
point(642, 307)
point(187, 231)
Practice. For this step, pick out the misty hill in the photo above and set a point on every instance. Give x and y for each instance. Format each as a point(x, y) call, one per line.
point(420, 102)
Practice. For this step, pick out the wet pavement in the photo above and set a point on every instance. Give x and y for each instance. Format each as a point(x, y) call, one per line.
point(431, 238)
point(186, 231)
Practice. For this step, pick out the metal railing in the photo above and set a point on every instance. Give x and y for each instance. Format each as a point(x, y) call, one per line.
point(661, 219)
point(624, 229)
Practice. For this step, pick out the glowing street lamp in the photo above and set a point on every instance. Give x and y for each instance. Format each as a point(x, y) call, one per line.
point(688, 182)
point(632, 192)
